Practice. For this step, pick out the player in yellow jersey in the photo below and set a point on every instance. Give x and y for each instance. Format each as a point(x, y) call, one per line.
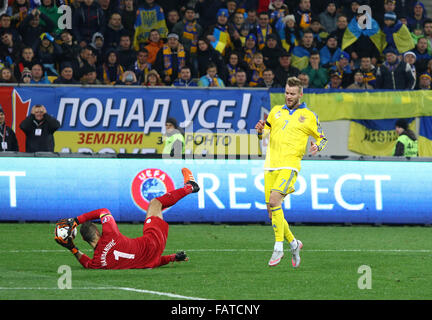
point(289, 127)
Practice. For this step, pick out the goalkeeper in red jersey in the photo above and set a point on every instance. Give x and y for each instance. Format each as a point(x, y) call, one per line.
point(112, 250)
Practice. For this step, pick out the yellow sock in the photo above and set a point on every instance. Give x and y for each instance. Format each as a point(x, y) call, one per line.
point(278, 223)
point(287, 232)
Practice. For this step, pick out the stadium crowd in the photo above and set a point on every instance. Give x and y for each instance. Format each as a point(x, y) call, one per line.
point(217, 43)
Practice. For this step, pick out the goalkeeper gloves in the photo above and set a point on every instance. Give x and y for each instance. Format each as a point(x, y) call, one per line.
point(181, 256)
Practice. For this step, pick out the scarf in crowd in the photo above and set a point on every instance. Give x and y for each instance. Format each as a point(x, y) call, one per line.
point(248, 55)
point(231, 73)
point(257, 74)
point(213, 81)
point(168, 56)
point(190, 32)
point(261, 37)
point(305, 19)
point(109, 77)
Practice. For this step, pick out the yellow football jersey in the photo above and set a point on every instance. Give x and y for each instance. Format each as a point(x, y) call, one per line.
point(289, 131)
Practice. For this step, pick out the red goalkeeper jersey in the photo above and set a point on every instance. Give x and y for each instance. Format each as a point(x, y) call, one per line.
point(116, 251)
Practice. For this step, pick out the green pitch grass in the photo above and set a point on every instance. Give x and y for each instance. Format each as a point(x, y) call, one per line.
point(227, 262)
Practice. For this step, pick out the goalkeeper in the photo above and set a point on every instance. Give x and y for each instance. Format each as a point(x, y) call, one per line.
point(112, 250)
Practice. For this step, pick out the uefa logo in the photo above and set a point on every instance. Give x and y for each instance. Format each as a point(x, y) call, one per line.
point(150, 184)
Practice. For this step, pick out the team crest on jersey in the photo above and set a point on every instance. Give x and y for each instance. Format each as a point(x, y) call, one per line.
point(150, 184)
point(302, 119)
point(277, 115)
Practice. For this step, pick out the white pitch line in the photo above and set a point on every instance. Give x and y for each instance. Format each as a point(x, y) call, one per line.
point(245, 250)
point(167, 294)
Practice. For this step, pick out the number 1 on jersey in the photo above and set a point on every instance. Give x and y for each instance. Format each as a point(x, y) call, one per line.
point(119, 254)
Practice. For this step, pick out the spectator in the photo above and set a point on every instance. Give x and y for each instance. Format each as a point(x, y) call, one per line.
point(318, 76)
point(256, 68)
point(153, 79)
point(113, 31)
point(368, 70)
point(88, 19)
point(128, 79)
point(48, 52)
point(328, 18)
point(206, 55)
point(272, 51)
point(419, 16)
point(5, 24)
point(128, 14)
point(389, 6)
point(330, 53)
point(211, 79)
point(218, 34)
point(26, 60)
point(397, 34)
point(422, 55)
point(235, 29)
point(303, 14)
point(185, 78)
point(174, 143)
point(70, 49)
point(26, 76)
point(269, 80)
point(141, 66)
point(111, 70)
point(231, 6)
point(89, 76)
point(351, 9)
point(154, 45)
point(108, 7)
point(8, 140)
point(425, 81)
point(394, 73)
point(343, 66)
point(6, 76)
point(285, 69)
point(341, 26)
point(319, 34)
point(304, 78)
point(189, 31)
point(288, 32)
point(206, 10)
point(20, 9)
point(143, 25)
point(301, 53)
point(277, 10)
point(427, 32)
point(170, 59)
point(406, 144)
point(50, 10)
point(251, 20)
point(335, 81)
point(39, 128)
point(359, 82)
point(172, 18)
point(249, 49)
point(240, 80)
point(234, 64)
point(127, 56)
point(66, 75)
point(37, 75)
point(9, 49)
point(410, 59)
point(262, 30)
point(81, 61)
point(97, 46)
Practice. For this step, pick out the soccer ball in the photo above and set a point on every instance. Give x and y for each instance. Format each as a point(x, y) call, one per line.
point(64, 232)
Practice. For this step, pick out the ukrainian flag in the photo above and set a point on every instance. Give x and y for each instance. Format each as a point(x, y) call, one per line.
point(353, 32)
point(399, 36)
point(222, 40)
point(146, 20)
point(425, 137)
point(300, 57)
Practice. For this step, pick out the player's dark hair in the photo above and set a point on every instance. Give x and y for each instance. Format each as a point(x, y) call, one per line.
point(88, 231)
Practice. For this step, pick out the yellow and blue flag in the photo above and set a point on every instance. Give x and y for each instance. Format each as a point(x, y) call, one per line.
point(425, 137)
point(354, 31)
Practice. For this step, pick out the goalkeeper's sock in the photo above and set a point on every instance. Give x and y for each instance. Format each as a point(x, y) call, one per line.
point(278, 223)
point(171, 198)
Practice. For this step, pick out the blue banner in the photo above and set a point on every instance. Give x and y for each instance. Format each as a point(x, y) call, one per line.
point(46, 189)
point(146, 109)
